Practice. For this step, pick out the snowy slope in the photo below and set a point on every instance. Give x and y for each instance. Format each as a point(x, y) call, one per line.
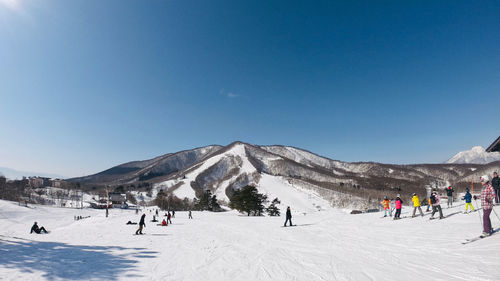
point(477, 155)
point(326, 245)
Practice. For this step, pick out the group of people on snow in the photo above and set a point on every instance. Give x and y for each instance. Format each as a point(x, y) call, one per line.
point(489, 196)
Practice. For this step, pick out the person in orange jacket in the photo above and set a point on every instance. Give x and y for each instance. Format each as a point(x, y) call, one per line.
point(387, 208)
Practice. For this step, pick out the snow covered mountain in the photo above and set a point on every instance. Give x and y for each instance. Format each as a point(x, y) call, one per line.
point(477, 155)
point(281, 170)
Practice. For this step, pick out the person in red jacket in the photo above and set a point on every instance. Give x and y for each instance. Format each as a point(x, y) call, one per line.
point(399, 205)
point(487, 197)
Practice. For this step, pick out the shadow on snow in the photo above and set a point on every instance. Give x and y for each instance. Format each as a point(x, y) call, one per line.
point(63, 261)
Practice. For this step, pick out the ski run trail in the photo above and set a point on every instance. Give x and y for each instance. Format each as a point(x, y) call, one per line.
point(326, 244)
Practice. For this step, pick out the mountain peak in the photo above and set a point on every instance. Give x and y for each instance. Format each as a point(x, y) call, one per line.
point(477, 155)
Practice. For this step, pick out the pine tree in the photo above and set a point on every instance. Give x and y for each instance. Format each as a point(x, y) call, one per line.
point(248, 200)
point(273, 210)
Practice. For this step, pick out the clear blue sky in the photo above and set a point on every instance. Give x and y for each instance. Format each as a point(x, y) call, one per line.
point(85, 85)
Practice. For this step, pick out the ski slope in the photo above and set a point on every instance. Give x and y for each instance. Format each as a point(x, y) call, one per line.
point(325, 245)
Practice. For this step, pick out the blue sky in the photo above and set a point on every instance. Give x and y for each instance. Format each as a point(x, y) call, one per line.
point(85, 85)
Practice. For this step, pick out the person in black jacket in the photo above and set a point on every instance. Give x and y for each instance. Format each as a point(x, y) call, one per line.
point(288, 216)
point(495, 182)
point(141, 224)
point(449, 193)
point(37, 229)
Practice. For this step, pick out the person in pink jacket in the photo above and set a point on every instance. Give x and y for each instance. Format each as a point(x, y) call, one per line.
point(435, 205)
point(399, 205)
point(487, 197)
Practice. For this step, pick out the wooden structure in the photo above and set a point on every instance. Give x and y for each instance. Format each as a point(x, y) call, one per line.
point(495, 146)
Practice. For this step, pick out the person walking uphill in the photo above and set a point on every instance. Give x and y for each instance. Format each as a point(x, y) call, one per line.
point(468, 201)
point(141, 224)
point(399, 205)
point(288, 216)
point(487, 197)
point(436, 205)
point(449, 193)
point(416, 204)
point(495, 182)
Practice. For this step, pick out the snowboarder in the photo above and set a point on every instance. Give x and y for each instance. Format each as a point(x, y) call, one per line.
point(37, 229)
point(387, 206)
point(495, 182)
point(436, 206)
point(288, 216)
point(416, 205)
point(487, 196)
point(468, 201)
point(173, 214)
point(449, 193)
point(190, 216)
point(141, 224)
point(399, 205)
point(168, 217)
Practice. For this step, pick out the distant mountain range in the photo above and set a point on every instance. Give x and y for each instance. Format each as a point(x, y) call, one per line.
point(477, 155)
point(222, 169)
point(15, 174)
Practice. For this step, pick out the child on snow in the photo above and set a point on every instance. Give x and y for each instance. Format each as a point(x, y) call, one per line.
point(399, 204)
point(468, 201)
point(435, 205)
point(416, 204)
point(387, 208)
point(449, 193)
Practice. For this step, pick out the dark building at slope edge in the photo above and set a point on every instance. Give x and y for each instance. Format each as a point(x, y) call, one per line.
point(495, 146)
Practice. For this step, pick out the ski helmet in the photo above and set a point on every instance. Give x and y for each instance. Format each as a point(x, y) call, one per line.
point(484, 178)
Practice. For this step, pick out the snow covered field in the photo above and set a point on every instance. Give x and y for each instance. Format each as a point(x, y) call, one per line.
point(325, 245)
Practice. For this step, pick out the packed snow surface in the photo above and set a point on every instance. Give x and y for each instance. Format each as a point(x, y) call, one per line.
point(477, 155)
point(324, 245)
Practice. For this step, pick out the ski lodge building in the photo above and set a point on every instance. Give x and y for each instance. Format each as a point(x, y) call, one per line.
point(495, 146)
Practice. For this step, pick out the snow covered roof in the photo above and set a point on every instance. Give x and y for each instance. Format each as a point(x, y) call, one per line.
point(495, 146)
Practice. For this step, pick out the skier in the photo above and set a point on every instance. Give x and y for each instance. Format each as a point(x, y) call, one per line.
point(399, 204)
point(190, 216)
point(288, 216)
point(173, 214)
point(37, 229)
point(487, 196)
point(416, 204)
point(141, 224)
point(449, 192)
point(168, 217)
point(495, 182)
point(156, 212)
point(387, 208)
point(468, 201)
point(436, 206)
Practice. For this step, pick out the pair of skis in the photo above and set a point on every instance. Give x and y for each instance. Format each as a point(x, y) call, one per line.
point(467, 241)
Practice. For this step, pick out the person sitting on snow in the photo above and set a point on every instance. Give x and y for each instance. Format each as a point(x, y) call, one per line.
point(164, 222)
point(37, 229)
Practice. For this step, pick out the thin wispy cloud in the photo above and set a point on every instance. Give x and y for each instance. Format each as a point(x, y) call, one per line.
point(228, 94)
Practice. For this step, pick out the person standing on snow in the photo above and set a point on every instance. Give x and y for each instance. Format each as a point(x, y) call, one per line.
point(173, 213)
point(468, 201)
point(168, 217)
point(399, 205)
point(449, 193)
point(495, 182)
point(416, 204)
point(487, 197)
point(436, 205)
point(141, 224)
point(387, 206)
point(190, 216)
point(288, 216)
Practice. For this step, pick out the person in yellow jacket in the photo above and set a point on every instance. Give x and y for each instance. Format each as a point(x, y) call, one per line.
point(416, 204)
point(387, 208)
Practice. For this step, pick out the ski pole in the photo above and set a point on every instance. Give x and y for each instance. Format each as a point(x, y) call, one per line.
point(478, 211)
point(496, 213)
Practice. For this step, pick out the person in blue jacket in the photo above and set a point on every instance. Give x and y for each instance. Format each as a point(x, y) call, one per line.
point(468, 201)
